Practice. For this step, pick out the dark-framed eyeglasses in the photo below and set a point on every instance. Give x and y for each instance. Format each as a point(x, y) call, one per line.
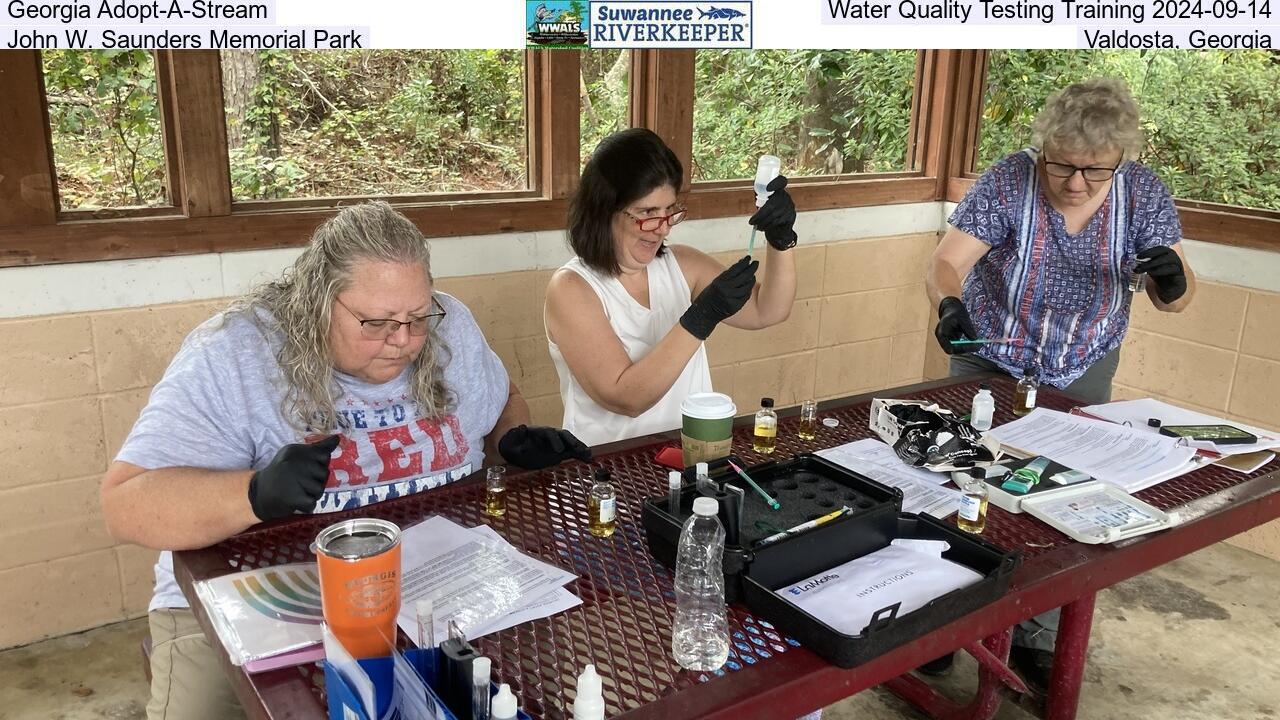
point(650, 224)
point(383, 328)
point(1091, 174)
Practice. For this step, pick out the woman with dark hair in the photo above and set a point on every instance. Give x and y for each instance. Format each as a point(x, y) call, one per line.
point(626, 318)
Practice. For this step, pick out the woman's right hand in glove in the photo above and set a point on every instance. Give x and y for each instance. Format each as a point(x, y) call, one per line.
point(293, 481)
point(724, 297)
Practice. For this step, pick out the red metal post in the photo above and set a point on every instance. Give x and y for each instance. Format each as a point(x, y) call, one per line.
point(1068, 658)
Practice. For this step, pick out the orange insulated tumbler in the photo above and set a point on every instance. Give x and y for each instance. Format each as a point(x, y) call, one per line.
point(359, 564)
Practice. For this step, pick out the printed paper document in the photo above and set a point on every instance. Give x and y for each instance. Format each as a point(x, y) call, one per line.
point(1127, 457)
point(922, 491)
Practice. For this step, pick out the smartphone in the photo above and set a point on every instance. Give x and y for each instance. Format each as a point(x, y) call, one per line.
point(1219, 434)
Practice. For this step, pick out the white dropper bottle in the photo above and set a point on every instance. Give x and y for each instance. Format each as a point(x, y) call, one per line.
point(767, 168)
point(588, 704)
point(504, 704)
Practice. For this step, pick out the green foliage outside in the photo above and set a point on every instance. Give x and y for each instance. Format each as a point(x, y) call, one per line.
point(315, 124)
point(1210, 116)
point(382, 123)
point(605, 104)
point(108, 150)
point(821, 111)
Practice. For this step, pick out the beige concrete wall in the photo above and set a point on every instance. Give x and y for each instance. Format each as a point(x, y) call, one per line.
point(73, 385)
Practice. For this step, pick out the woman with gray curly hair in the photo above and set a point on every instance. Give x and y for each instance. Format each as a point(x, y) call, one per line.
point(1043, 255)
point(347, 382)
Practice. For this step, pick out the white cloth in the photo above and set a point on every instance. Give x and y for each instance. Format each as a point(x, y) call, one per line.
point(219, 407)
point(639, 328)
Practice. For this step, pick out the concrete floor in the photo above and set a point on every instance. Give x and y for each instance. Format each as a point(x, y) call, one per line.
point(1195, 639)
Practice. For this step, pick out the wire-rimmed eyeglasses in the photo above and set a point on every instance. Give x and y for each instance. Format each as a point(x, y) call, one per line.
point(383, 328)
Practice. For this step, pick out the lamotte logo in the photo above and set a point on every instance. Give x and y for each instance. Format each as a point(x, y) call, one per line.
point(813, 584)
point(556, 23)
point(674, 24)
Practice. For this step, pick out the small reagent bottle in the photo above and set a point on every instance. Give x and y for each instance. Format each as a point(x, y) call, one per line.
point(972, 517)
point(765, 437)
point(1024, 395)
point(984, 406)
point(504, 705)
point(602, 506)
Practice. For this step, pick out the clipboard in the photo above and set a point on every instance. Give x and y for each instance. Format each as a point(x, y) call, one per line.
point(1098, 512)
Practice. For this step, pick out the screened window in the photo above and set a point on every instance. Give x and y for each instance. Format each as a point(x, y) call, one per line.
point(104, 115)
point(1208, 115)
point(404, 122)
point(823, 112)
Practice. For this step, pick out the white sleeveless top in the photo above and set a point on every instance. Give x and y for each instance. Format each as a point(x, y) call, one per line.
point(639, 328)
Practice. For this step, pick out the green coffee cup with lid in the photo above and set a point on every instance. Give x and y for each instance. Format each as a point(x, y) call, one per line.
point(706, 428)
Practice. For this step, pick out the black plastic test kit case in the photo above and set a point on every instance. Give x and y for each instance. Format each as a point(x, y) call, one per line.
point(808, 486)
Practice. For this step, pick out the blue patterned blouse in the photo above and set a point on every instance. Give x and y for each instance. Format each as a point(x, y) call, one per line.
point(1065, 296)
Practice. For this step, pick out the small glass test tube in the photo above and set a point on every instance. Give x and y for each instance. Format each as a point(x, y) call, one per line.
point(674, 482)
point(480, 668)
point(808, 420)
point(425, 610)
point(495, 491)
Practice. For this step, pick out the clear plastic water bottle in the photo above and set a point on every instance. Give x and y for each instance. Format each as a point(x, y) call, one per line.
point(700, 633)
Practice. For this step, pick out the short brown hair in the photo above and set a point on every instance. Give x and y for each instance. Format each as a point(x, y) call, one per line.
point(625, 167)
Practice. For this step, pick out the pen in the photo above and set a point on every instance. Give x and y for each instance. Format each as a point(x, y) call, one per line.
point(767, 498)
point(988, 341)
point(806, 525)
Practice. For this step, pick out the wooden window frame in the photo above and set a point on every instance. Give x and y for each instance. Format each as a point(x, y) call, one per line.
point(1202, 221)
point(942, 143)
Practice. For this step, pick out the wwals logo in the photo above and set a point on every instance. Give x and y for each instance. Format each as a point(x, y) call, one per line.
point(555, 23)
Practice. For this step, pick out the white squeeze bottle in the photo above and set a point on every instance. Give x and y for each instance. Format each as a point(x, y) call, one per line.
point(588, 702)
point(767, 168)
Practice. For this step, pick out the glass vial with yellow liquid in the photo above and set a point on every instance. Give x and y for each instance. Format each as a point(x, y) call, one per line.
point(972, 517)
point(765, 437)
point(808, 420)
point(1024, 395)
point(602, 506)
point(495, 491)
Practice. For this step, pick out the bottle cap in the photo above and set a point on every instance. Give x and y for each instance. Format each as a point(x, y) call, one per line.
point(480, 670)
point(1029, 372)
point(830, 422)
point(706, 506)
point(978, 473)
point(766, 402)
point(984, 386)
point(503, 704)
point(602, 475)
point(674, 480)
point(700, 469)
point(1153, 422)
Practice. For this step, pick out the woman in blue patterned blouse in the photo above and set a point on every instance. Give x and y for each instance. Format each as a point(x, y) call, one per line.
point(1042, 247)
point(1041, 251)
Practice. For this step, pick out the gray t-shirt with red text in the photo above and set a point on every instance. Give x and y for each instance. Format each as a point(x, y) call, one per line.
point(218, 407)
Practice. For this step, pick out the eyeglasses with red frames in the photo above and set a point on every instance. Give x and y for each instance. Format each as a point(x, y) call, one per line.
point(383, 328)
point(649, 224)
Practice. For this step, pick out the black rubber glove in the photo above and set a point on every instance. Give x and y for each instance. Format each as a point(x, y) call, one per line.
point(777, 217)
point(721, 299)
point(954, 324)
point(293, 481)
point(534, 448)
point(1164, 267)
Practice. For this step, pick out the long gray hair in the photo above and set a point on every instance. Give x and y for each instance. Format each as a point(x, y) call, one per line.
point(300, 305)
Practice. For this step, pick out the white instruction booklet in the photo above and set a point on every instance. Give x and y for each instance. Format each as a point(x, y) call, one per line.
point(847, 596)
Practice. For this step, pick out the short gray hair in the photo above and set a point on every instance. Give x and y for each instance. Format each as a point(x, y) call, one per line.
point(1097, 114)
point(300, 304)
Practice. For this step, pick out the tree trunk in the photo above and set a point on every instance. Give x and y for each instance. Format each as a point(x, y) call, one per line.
point(240, 75)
